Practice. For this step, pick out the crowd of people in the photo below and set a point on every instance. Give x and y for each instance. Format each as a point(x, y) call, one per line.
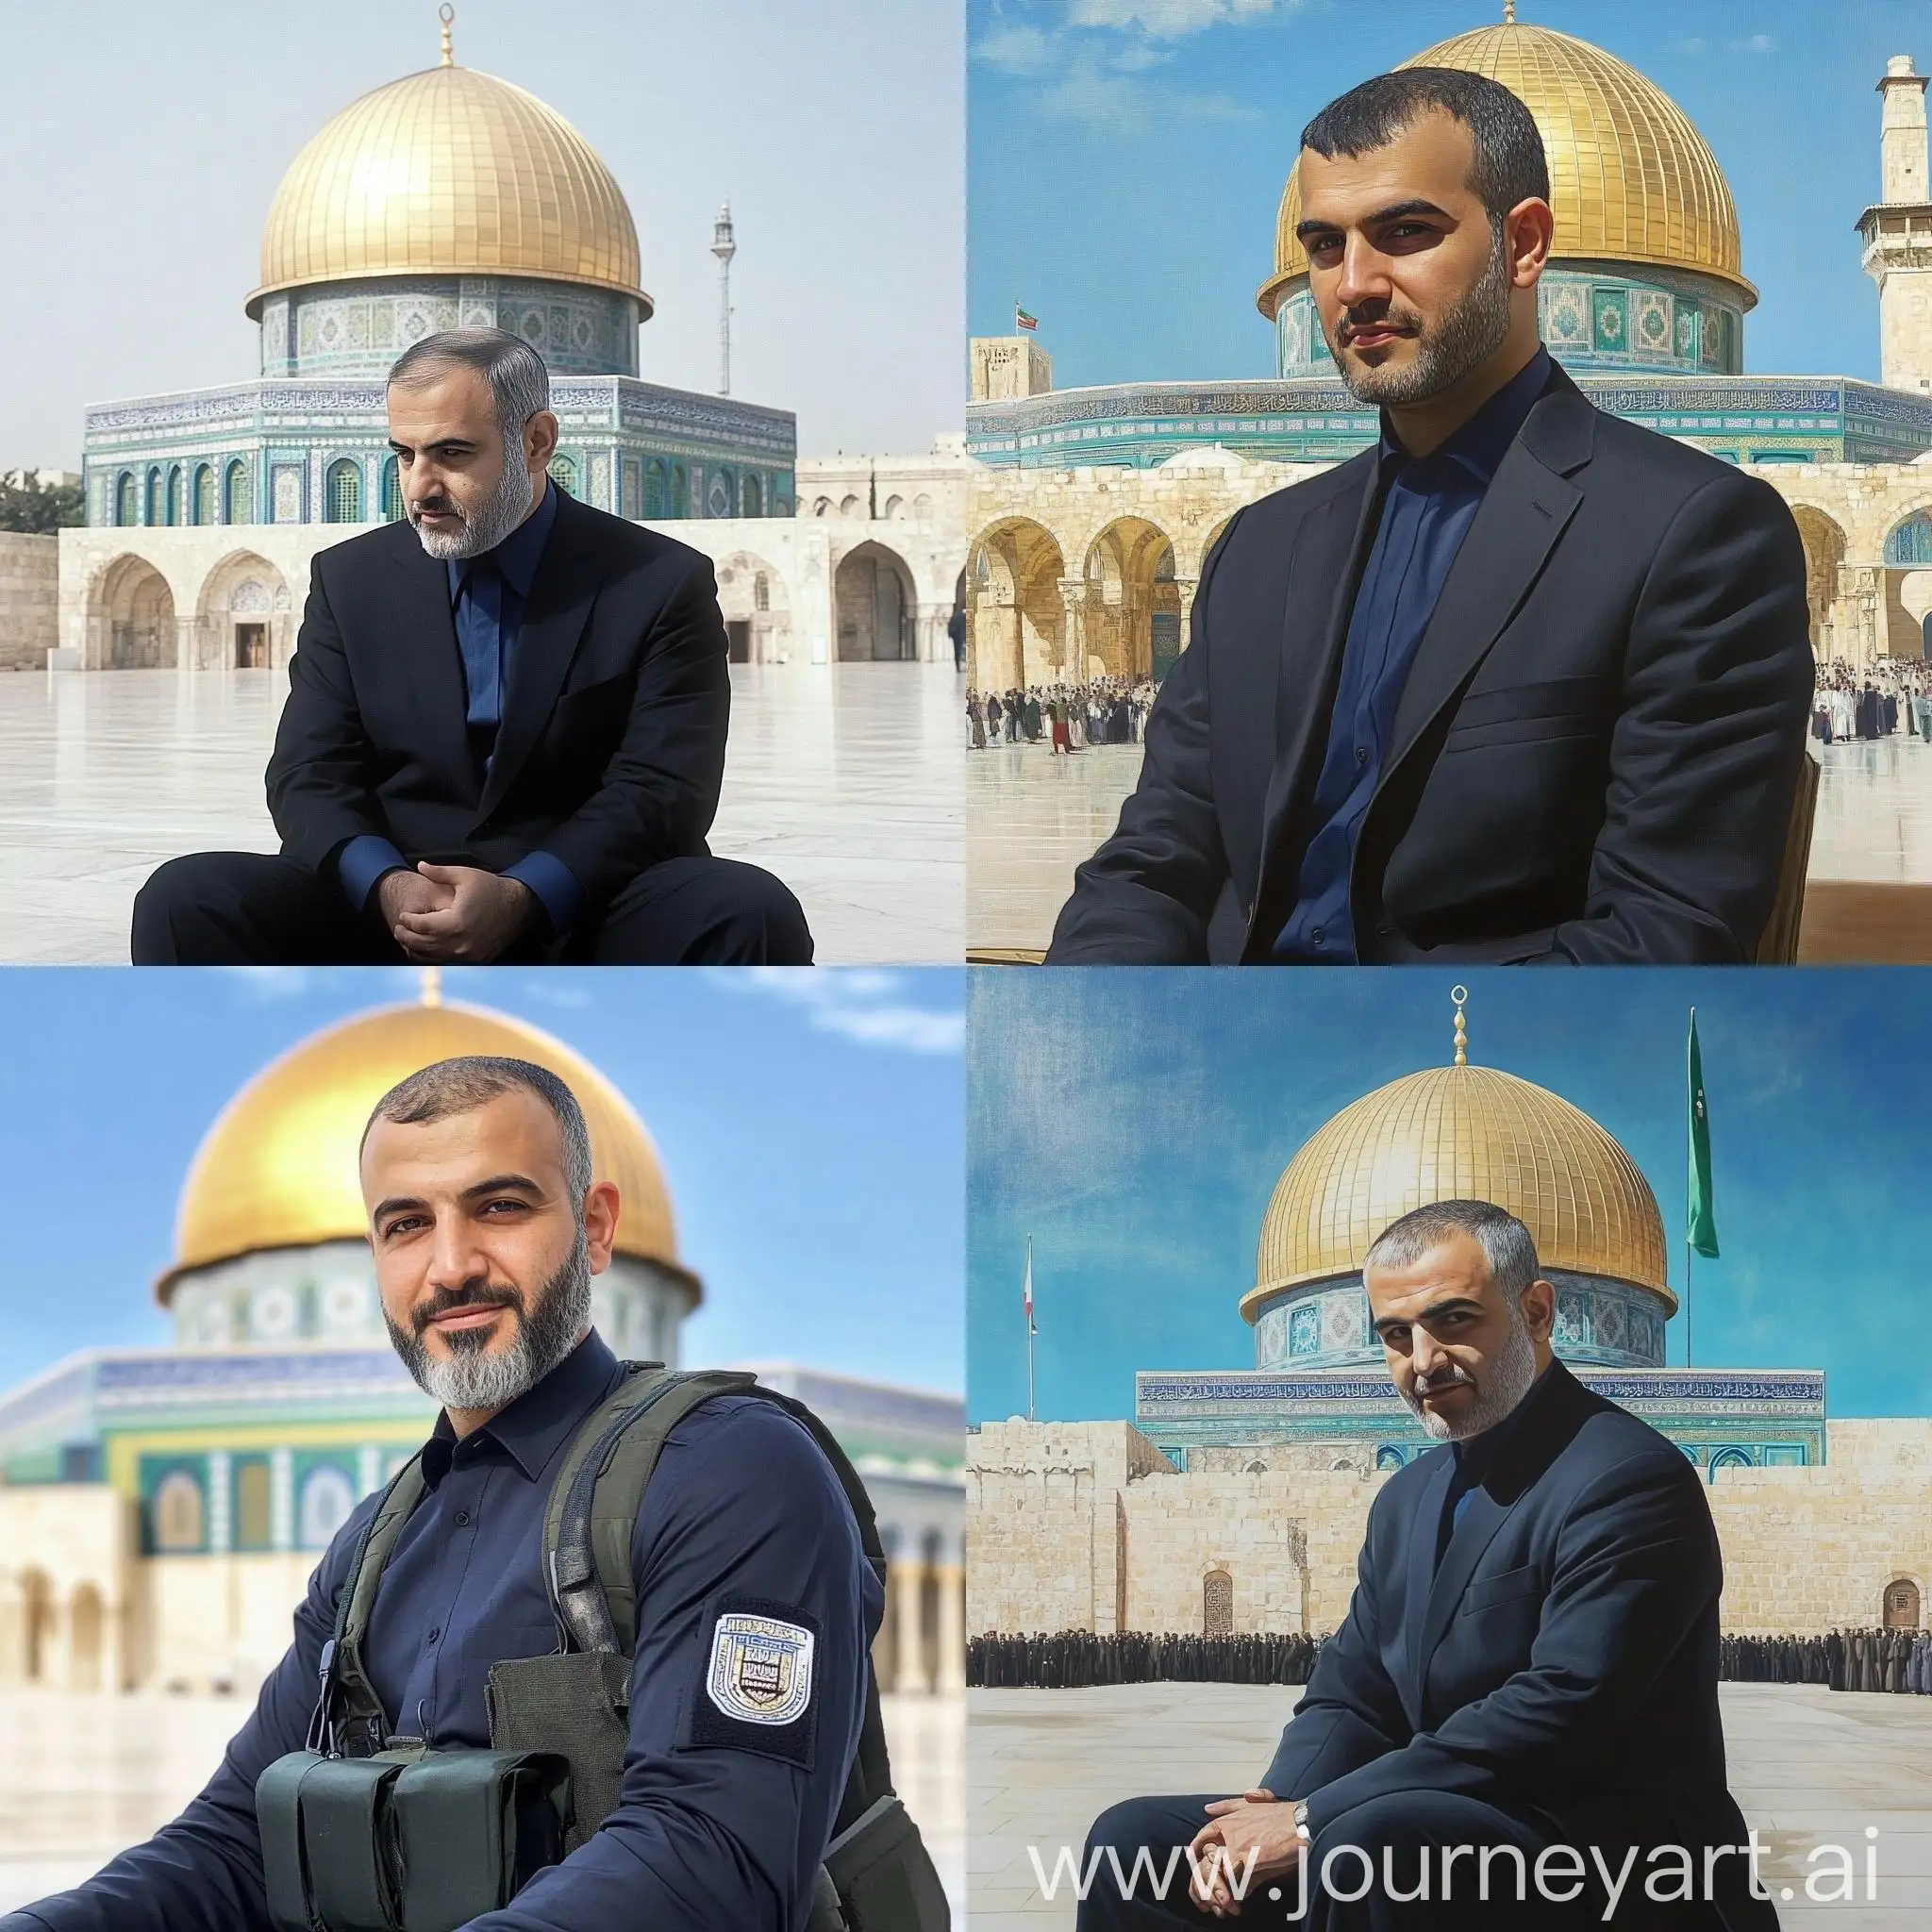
point(1066, 717)
point(1076, 1659)
point(1893, 696)
point(1895, 1660)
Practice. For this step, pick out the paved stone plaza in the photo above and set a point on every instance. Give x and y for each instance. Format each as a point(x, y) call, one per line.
point(843, 779)
point(1032, 817)
point(1808, 1766)
point(83, 1777)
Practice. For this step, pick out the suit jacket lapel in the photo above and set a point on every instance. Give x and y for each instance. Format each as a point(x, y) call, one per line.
point(429, 662)
point(1330, 547)
point(561, 595)
point(1421, 1562)
point(1524, 512)
point(1480, 1521)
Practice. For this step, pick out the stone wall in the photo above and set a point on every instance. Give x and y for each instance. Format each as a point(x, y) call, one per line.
point(1087, 1527)
point(29, 600)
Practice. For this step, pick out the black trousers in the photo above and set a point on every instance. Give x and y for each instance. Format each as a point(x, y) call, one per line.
point(1392, 1834)
point(245, 909)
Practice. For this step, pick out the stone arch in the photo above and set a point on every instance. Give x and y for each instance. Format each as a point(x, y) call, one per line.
point(1824, 557)
point(875, 606)
point(1915, 595)
point(1130, 605)
point(87, 1630)
point(1901, 1606)
point(130, 618)
point(921, 504)
point(37, 1625)
point(244, 616)
point(756, 603)
point(1016, 612)
point(1217, 1604)
point(894, 509)
point(179, 1514)
point(850, 507)
point(822, 507)
point(1909, 538)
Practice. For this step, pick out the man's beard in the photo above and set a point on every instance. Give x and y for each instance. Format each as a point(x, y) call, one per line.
point(1466, 336)
point(508, 504)
point(467, 1377)
point(1505, 1384)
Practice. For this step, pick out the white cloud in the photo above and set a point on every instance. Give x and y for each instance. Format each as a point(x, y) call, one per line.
point(1761, 43)
point(555, 992)
point(1026, 51)
point(1166, 20)
point(268, 986)
point(859, 1003)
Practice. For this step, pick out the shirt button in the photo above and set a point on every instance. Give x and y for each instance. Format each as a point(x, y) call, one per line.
point(1361, 754)
point(462, 1517)
point(435, 1633)
point(1320, 936)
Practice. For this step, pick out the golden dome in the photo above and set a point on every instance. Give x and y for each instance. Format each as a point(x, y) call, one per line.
point(1460, 1132)
point(1631, 179)
point(448, 172)
point(278, 1169)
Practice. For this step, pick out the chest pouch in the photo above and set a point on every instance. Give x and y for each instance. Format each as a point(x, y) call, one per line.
point(408, 1840)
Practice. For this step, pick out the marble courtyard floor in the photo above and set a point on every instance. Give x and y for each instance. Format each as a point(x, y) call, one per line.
point(843, 779)
point(1808, 1766)
point(1032, 817)
point(83, 1777)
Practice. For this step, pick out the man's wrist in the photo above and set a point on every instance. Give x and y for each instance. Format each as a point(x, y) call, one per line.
point(1301, 1821)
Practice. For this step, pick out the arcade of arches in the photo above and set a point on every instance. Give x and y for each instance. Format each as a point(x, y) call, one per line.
point(1078, 573)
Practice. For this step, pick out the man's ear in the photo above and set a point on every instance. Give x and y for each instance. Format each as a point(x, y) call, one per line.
point(540, 441)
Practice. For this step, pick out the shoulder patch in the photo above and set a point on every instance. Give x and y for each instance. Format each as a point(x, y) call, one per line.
point(760, 1680)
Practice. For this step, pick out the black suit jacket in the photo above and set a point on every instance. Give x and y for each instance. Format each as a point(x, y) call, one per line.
point(1595, 754)
point(610, 750)
point(1563, 1662)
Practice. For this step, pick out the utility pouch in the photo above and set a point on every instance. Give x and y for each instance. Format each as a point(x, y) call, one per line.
point(577, 1706)
point(882, 1875)
point(413, 1842)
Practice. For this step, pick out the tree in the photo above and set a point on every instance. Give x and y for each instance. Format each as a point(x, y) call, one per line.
point(32, 509)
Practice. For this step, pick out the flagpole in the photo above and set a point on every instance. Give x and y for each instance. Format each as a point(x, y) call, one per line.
point(1029, 1328)
point(1689, 1180)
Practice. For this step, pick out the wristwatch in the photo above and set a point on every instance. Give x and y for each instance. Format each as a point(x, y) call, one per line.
point(1301, 1821)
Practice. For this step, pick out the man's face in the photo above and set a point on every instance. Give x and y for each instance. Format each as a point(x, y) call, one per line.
point(464, 486)
point(1411, 286)
point(479, 1259)
point(1453, 1352)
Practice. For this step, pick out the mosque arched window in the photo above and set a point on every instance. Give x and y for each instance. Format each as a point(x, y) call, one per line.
point(391, 490)
point(679, 505)
point(1909, 545)
point(328, 1495)
point(151, 503)
point(341, 497)
point(1388, 1456)
point(1217, 1604)
point(754, 503)
point(629, 488)
point(653, 487)
point(178, 1519)
point(174, 504)
point(124, 499)
point(204, 494)
point(563, 472)
point(723, 500)
point(253, 1511)
point(760, 592)
point(235, 494)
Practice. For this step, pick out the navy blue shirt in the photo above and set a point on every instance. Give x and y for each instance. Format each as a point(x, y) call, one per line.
point(710, 1829)
point(1474, 1457)
point(488, 594)
point(1428, 504)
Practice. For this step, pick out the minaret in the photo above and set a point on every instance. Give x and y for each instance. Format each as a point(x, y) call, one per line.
point(724, 246)
point(1898, 232)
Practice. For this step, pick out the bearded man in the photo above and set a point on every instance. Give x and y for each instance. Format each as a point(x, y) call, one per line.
point(504, 732)
point(1522, 682)
point(1517, 1723)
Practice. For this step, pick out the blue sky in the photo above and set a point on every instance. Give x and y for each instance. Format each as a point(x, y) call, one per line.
point(811, 1126)
point(144, 142)
point(1126, 158)
point(1135, 1123)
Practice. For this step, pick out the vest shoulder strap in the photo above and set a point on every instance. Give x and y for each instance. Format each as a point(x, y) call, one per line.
point(348, 1699)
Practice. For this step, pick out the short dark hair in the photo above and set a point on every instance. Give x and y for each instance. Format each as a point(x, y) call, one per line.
point(519, 382)
point(461, 1085)
point(1509, 165)
point(1508, 1246)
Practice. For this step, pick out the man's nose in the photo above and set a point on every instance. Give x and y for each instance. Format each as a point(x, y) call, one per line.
point(1365, 274)
point(454, 1258)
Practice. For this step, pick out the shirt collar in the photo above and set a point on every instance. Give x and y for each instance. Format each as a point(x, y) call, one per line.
point(1480, 445)
point(517, 557)
point(1475, 1454)
point(535, 1426)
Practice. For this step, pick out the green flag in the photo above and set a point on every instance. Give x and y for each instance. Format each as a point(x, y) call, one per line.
point(1703, 1227)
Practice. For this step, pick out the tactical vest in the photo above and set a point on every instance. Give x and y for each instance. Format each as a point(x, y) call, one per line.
point(366, 1831)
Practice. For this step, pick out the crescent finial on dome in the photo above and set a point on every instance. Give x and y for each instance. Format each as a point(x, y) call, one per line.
point(1461, 996)
point(446, 13)
point(432, 986)
point(1509, 13)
